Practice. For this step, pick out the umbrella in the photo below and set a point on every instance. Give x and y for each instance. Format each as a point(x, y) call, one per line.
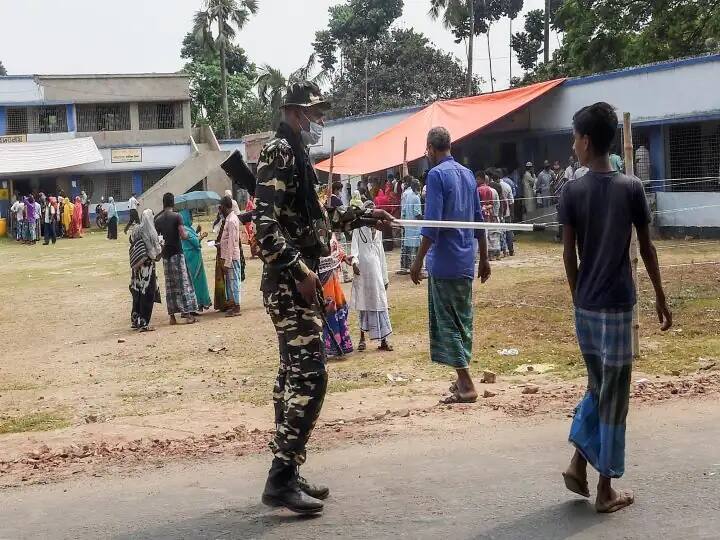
point(196, 200)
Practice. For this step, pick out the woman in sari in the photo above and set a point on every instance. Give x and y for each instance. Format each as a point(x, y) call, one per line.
point(145, 249)
point(76, 220)
point(192, 249)
point(112, 219)
point(67, 214)
point(219, 298)
point(336, 307)
point(250, 229)
point(382, 202)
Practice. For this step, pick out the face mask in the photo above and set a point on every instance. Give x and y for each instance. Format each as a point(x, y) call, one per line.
point(313, 135)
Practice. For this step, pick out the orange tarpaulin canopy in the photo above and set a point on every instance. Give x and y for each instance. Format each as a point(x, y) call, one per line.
point(462, 117)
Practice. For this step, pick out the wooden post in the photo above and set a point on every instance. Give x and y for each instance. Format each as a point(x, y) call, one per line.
point(332, 166)
point(630, 171)
point(405, 170)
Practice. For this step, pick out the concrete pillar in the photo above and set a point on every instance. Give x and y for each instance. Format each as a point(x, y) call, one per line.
point(657, 158)
point(134, 117)
point(3, 120)
point(187, 118)
point(71, 118)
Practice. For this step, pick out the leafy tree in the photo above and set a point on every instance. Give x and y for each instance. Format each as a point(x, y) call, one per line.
point(610, 34)
point(226, 16)
point(3, 71)
point(236, 58)
point(458, 13)
point(528, 44)
point(272, 85)
point(405, 69)
point(355, 25)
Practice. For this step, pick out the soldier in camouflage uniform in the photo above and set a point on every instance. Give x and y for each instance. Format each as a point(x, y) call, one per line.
point(293, 231)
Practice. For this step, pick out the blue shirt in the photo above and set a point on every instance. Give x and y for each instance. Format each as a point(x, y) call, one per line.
point(411, 209)
point(452, 196)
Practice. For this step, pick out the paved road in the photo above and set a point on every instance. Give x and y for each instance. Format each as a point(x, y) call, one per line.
point(478, 481)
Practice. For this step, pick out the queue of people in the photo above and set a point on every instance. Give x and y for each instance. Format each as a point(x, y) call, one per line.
point(36, 217)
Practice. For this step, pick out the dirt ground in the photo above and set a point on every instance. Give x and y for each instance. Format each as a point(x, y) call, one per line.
point(77, 383)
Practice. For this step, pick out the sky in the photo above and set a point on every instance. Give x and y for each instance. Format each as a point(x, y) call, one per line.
point(143, 36)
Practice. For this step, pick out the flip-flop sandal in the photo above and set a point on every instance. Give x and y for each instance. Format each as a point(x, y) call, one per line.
point(576, 485)
point(233, 314)
point(146, 329)
point(362, 347)
point(625, 499)
point(191, 320)
point(456, 398)
point(386, 347)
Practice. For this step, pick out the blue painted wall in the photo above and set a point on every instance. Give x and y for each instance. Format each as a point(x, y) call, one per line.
point(137, 183)
point(70, 111)
point(657, 158)
point(3, 120)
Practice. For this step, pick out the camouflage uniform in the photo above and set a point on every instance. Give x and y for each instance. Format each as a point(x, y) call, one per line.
point(293, 232)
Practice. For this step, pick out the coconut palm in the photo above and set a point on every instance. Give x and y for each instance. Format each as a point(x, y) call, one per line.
point(223, 17)
point(272, 84)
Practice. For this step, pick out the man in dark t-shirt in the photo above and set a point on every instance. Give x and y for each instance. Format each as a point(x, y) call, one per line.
point(598, 212)
point(179, 291)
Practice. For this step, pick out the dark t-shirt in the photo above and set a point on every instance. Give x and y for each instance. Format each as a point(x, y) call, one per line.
point(167, 224)
point(602, 208)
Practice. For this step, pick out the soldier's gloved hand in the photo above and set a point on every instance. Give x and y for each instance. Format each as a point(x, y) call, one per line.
point(308, 288)
point(381, 217)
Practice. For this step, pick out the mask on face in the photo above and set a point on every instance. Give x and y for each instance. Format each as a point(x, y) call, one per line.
point(313, 134)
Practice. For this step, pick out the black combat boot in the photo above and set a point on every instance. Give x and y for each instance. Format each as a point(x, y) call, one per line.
point(314, 490)
point(282, 489)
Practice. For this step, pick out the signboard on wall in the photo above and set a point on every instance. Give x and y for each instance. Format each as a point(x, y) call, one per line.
point(126, 155)
point(9, 139)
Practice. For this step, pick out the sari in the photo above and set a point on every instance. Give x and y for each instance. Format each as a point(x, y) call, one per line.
point(192, 249)
point(144, 249)
point(336, 306)
point(68, 210)
point(220, 302)
point(76, 220)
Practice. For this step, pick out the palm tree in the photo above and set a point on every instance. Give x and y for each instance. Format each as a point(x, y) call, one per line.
point(272, 84)
point(225, 16)
point(457, 14)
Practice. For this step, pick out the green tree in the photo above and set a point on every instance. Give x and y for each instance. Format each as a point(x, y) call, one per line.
point(3, 71)
point(224, 16)
point(405, 69)
point(353, 25)
point(272, 84)
point(528, 44)
point(457, 15)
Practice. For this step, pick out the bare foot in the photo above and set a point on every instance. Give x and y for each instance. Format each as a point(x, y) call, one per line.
point(611, 501)
point(173, 320)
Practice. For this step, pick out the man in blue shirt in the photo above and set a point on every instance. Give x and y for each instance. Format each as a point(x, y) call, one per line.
point(451, 196)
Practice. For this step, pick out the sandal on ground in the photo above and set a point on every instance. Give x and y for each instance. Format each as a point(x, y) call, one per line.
point(146, 329)
point(190, 320)
point(386, 347)
point(232, 314)
point(362, 346)
point(623, 500)
point(576, 485)
point(455, 398)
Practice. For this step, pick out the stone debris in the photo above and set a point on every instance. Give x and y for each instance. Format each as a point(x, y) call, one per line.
point(489, 377)
point(489, 394)
point(531, 389)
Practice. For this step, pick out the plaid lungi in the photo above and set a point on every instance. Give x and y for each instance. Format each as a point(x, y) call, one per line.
point(232, 283)
point(179, 291)
point(598, 429)
point(451, 321)
point(407, 256)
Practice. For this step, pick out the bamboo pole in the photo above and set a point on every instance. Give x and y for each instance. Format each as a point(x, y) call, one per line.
point(630, 171)
point(332, 166)
point(405, 170)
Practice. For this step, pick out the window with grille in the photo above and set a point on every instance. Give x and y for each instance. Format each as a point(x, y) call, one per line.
point(161, 115)
point(694, 157)
point(111, 117)
point(118, 186)
point(50, 119)
point(150, 178)
point(17, 121)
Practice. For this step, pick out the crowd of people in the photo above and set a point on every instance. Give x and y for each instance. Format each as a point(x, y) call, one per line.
point(39, 216)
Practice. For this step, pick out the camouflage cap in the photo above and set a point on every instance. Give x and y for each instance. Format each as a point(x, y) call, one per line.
point(305, 94)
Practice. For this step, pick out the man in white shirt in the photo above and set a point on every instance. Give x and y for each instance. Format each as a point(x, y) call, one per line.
point(18, 209)
point(134, 217)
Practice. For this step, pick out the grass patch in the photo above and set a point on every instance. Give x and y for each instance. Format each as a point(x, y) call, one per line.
point(34, 422)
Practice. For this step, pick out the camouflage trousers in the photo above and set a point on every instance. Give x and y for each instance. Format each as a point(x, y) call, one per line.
point(302, 378)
